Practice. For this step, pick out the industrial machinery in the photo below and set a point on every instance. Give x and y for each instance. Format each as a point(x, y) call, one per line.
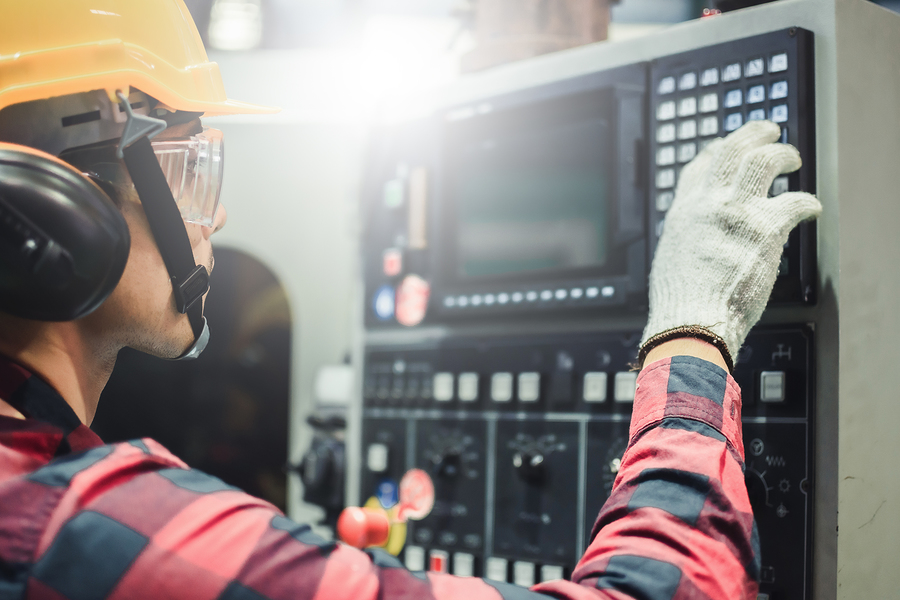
point(508, 238)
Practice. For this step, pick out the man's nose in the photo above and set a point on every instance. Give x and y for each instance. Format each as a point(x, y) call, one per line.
point(218, 222)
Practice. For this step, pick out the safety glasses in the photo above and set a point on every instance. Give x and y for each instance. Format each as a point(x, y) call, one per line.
point(193, 169)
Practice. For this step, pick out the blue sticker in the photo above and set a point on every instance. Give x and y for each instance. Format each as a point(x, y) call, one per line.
point(384, 303)
point(387, 493)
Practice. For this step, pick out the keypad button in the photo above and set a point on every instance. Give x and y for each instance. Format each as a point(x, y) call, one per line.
point(709, 77)
point(665, 178)
point(709, 126)
point(687, 130)
point(489, 299)
point(780, 113)
point(576, 293)
point(531, 296)
point(443, 387)
point(546, 295)
point(687, 107)
point(779, 186)
point(664, 201)
point(757, 115)
point(754, 68)
point(502, 298)
point(476, 300)
point(594, 386)
point(495, 568)
point(731, 72)
point(733, 121)
point(468, 387)
point(462, 301)
point(665, 110)
point(778, 63)
point(709, 103)
point(688, 81)
point(687, 152)
point(666, 86)
point(704, 144)
point(450, 301)
point(779, 90)
point(625, 386)
point(756, 94)
point(734, 98)
point(517, 297)
point(665, 156)
point(529, 387)
point(501, 387)
point(561, 294)
point(665, 133)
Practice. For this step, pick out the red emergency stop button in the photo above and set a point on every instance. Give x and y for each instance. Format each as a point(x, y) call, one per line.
point(363, 527)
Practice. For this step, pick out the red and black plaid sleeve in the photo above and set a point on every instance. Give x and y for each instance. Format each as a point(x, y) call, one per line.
point(132, 521)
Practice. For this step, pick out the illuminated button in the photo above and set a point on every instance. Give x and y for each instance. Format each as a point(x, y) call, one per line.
point(664, 201)
point(687, 107)
point(709, 77)
point(463, 564)
point(665, 110)
point(771, 386)
point(377, 458)
point(665, 156)
point(607, 291)
point(592, 292)
point(384, 302)
point(576, 293)
point(780, 113)
point(501, 387)
point(468, 387)
point(496, 568)
point(414, 558)
point(666, 86)
point(687, 130)
point(438, 561)
point(733, 98)
point(449, 301)
point(756, 94)
point(476, 300)
point(731, 72)
point(779, 90)
point(779, 186)
point(687, 152)
point(624, 386)
point(462, 301)
point(502, 298)
point(594, 386)
point(688, 81)
point(517, 297)
point(442, 387)
point(523, 573)
point(531, 296)
point(757, 115)
point(551, 572)
point(709, 103)
point(709, 126)
point(755, 67)
point(561, 294)
point(392, 262)
point(665, 133)
point(529, 387)
point(489, 299)
point(733, 121)
point(546, 295)
point(665, 178)
point(778, 63)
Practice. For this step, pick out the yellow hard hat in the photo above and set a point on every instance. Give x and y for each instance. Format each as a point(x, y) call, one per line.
point(52, 48)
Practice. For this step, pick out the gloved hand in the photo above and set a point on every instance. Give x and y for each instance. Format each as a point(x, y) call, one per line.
point(722, 241)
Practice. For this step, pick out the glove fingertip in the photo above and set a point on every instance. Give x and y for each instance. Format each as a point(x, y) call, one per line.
point(804, 205)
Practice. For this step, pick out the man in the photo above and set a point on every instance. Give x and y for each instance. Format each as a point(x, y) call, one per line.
point(80, 519)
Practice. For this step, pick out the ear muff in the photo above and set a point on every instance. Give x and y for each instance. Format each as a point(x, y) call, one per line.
point(63, 242)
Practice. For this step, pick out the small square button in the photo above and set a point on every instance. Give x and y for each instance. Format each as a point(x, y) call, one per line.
point(771, 386)
point(663, 203)
point(709, 103)
point(688, 81)
point(501, 387)
point(754, 68)
point(709, 126)
point(665, 156)
point(414, 558)
point(443, 387)
point(523, 573)
point(687, 107)
point(665, 110)
point(529, 387)
point(733, 98)
point(463, 564)
point(625, 386)
point(665, 178)
point(709, 77)
point(687, 130)
point(731, 72)
point(594, 387)
point(779, 90)
point(779, 186)
point(468, 387)
point(757, 115)
point(666, 86)
point(733, 121)
point(551, 573)
point(780, 113)
point(778, 63)
point(496, 568)
point(687, 152)
point(756, 94)
point(665, 133)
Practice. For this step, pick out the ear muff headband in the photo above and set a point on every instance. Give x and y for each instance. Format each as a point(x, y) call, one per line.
point(63, 242)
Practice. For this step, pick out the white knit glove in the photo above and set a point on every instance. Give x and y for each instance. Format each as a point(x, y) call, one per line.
point(721, 245)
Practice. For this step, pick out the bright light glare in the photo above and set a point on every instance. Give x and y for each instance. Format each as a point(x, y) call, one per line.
point(235, 24)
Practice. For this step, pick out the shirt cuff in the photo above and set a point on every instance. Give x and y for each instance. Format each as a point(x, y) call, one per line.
point(688, 387)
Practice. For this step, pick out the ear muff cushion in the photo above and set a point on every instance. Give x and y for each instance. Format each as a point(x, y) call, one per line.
point(79, 239)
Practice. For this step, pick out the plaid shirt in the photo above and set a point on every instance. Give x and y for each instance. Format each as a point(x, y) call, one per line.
point(80, 519)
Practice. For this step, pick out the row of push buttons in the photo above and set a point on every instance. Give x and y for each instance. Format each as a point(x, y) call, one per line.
point(708, 103)
point(497, 569)
point(707, 126)
point(529, 386)
point(505, 298)
point(731, 72)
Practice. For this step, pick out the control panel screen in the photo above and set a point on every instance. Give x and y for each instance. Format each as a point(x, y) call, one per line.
point(531, 187)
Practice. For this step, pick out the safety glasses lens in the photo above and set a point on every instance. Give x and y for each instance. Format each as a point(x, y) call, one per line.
point(193, 168)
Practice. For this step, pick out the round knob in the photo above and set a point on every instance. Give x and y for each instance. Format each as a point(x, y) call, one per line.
point(530, 466)
point(363, 527)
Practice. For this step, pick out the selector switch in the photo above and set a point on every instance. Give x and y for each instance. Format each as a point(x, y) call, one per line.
point(529, 387)
point(625, 386)
point(771, 386)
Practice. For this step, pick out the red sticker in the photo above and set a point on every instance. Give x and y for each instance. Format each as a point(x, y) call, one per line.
point(416, 495)
point(412, 300)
